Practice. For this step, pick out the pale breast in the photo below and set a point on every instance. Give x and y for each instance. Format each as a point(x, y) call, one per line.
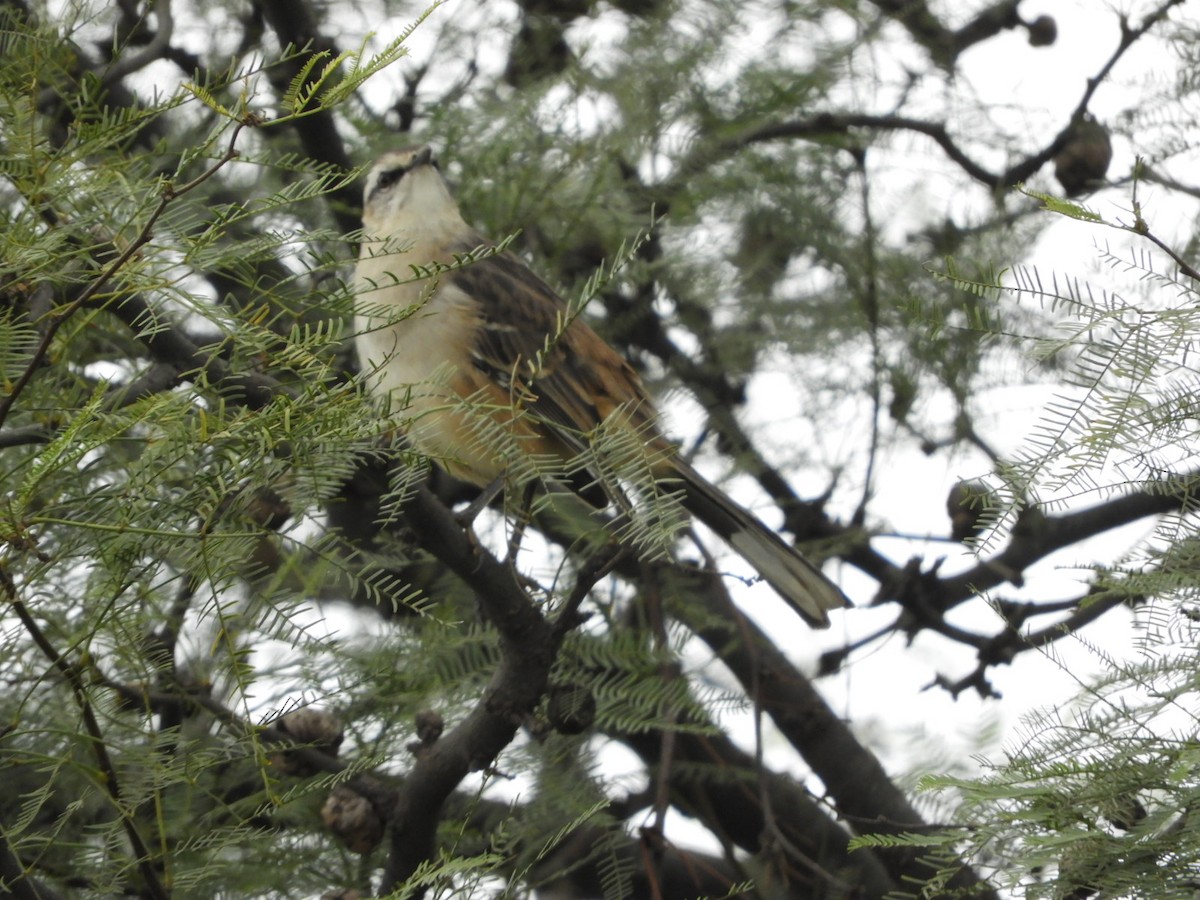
point(413, 347)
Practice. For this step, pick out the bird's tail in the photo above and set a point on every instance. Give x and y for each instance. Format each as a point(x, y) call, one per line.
point(792, 576)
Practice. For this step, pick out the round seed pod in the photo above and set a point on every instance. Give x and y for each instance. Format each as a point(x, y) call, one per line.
point(352, 819)
point(1043, 31)
point(570, 708)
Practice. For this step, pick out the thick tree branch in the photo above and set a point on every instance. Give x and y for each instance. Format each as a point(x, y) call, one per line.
point(723, 787)
point(572, 870)
point(28, 434)
point(157, 48)
point(528, 644)
point(944, 44)
point(860, 788)
point(170, 346)
point(1037, 536)
point(579, 863)
point(295, 24)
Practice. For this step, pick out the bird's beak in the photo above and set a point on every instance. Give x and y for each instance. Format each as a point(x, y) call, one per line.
point(424, 157)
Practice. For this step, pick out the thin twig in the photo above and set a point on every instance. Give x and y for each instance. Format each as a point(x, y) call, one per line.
point(169, 193)
point(1141, 228)
point(870, 305)
point(108, 772)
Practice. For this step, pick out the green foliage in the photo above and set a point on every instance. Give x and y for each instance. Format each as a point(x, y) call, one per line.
point(1055, 204)
point(1097, 799)
point(205, 522)
point(137, 520)
point(136, 517)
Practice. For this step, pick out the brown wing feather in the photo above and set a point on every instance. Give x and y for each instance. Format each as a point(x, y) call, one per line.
point(576, 381)
point(569, 377)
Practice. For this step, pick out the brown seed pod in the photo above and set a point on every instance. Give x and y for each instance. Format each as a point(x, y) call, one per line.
point(316, 728)
point(1043, 31)
point(352, 819)
point(966, 504)
point(1084, 159)
point(570, 708)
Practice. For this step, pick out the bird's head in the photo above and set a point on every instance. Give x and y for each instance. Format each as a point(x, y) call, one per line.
point(405, 193)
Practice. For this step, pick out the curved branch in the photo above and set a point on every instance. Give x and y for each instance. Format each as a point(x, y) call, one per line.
point(169, 193)
point(170, 346)
point(1005, 646)
point(719, 784)
point(1038, 535)
point(944, 44)
point(156, 49)
point(528, 646)
point(854, 778)
point(144, 859)
point(829, 124)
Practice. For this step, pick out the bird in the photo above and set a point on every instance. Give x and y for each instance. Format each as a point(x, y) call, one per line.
point(448, 323)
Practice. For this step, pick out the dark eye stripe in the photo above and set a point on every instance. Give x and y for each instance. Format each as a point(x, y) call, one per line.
point(389, 177)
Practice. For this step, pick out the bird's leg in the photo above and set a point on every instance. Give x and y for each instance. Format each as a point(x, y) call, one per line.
point(466, 518)
point(521, 520)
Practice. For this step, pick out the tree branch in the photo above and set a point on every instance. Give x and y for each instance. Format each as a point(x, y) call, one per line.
point(294, 23)
point(169, 345)
point(143, 858)
point(1042, 535)
point(718, 784)
point(15, 880)
point(59, 317)
point(944, 44)
point(528, 647)
point(862, 791)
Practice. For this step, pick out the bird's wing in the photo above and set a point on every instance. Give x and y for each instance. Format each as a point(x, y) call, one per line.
point(560, 369)
point(572, 380)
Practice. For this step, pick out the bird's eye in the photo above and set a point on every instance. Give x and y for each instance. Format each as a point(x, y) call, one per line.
point(389, 177)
